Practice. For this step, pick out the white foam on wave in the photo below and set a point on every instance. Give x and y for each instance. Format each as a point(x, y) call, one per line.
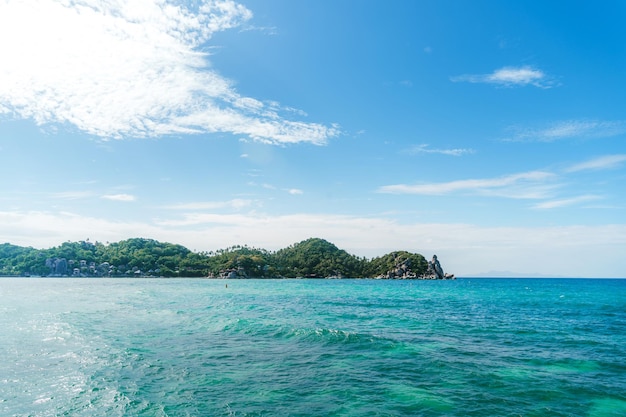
point(42, 400)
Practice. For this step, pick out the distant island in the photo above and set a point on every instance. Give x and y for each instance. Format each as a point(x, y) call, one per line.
point(139, 257)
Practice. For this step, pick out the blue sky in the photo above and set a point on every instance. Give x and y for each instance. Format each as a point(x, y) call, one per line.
point(490, 133)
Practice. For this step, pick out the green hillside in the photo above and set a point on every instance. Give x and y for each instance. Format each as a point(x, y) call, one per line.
point(139, 257)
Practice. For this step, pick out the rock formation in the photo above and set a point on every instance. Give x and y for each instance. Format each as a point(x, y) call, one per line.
point(435, 271)
point(401, 271)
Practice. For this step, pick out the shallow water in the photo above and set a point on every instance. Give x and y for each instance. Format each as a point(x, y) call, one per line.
point(185, 347)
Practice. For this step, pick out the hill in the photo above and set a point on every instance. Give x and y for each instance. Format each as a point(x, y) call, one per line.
point(139, 257)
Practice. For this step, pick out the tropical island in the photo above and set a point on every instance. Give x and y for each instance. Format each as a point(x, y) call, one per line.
point(140, 257)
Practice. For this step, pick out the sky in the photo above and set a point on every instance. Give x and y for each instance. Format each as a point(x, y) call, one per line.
point(489, 133)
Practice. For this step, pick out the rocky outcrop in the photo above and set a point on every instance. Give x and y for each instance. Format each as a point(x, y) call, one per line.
point(435, 271)
point(403, 270)
point(232, 273)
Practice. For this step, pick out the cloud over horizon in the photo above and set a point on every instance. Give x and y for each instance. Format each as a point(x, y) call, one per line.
point(132, 69)
point(463, 248)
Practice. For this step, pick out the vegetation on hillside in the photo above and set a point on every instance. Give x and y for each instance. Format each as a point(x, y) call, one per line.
point(397, 264)
point(317, 258)
point(312, 258)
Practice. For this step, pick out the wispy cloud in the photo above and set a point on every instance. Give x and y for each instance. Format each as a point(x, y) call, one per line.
point(424, 148)
point(236, 204)
point(119, 197)
point(72, 195)
point(523, 185)
point(568, 129)
point(117, 69)
point(603, 162)
point(509, 77)
point(266, 186)
point(551, 204)
point(533, 185)
point(268, 30)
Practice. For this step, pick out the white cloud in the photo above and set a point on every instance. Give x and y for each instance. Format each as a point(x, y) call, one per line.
point(603, 162)
point(424, 148)
point(295, 191)
point(522, 185)
point(568, 129)
point(509, 77)
point(516, 76)
point(116, 69)
point(119, 197)
point(236, 204)
point(551, 204)
point(595, 251)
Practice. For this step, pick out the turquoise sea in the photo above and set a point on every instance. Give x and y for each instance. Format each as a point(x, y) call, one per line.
point(194, 347)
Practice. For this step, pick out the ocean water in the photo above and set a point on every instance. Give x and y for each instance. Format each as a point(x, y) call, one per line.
point(193, 347)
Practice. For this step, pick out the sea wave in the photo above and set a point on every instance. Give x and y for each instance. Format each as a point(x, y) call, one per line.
point(316, 336)
point(307, 348)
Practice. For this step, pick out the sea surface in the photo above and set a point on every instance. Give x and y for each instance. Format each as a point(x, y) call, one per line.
point(196, 347)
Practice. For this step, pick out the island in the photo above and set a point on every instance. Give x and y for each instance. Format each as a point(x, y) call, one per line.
point(140, 257)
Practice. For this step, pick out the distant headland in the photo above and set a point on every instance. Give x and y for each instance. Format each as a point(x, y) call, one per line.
point(140, 257)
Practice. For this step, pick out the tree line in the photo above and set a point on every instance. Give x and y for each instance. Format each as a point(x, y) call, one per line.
point(139, 257)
